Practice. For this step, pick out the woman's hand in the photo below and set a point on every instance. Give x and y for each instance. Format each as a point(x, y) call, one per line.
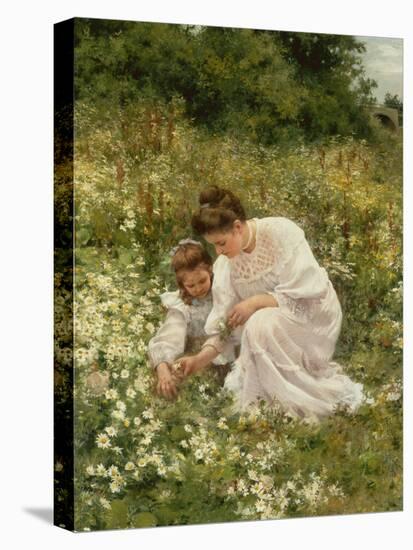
point(166, 385)
point(240, 313)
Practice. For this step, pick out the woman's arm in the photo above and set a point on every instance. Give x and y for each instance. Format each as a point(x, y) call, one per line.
point(240, 313)
point(199, 361)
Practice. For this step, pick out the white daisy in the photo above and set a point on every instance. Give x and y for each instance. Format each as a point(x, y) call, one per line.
point(103, 441)
point(100, 470)
point(111, 431)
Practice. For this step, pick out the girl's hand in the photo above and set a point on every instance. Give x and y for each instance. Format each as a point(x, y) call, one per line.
point(166, 385)
point(240, 313)
point(190, 365)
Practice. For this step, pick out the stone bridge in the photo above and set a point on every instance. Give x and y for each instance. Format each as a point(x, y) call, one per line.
point(388, 116)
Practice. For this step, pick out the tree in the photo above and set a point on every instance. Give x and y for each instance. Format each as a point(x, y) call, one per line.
point(260, 83)
point(330, 67)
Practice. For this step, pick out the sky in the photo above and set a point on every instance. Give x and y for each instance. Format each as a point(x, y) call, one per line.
point(383, 61)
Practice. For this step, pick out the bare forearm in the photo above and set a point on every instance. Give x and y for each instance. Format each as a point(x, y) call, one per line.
point(206, 355)
point(262, 300)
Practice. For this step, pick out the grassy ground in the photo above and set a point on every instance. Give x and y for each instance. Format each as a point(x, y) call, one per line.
point(143, 461)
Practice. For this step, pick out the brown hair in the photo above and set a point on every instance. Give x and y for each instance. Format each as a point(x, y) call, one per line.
point(219, 208)
point(189, 257)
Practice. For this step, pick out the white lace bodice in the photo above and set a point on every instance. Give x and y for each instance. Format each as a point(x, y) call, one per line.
point(247, 267)
point(281, 264)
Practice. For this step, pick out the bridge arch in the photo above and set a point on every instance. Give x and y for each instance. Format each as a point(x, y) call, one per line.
point(387, 116)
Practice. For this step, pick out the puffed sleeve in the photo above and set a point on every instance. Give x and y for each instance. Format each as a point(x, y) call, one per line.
point(301, 281)
point(169, 340)
point(224, 298)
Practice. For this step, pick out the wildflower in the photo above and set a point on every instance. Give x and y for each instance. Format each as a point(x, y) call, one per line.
point(117, 450)
point(119, 415)
point(90, 470)
point(124, 373)
point(188, 428)
point(113, 471)
point(101, 470)
point(104, 503)
point(164, 495)
point(129, 466)
point(111, 431)
point(291, 486)
point(130, 392)
point(252, 474)
point(260, 505)
point(141, 385)
point(147, 414)
point(393, 396)
point(115, 486)
point(121, 406)
point(126, 422)
point(335, 490)
point(142, 462)
point(111, 394)
point(242, 487)
point(150, 328)
point(103, 441)
point(221, 424)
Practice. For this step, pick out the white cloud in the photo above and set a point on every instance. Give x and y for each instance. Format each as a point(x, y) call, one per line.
point(383, 61)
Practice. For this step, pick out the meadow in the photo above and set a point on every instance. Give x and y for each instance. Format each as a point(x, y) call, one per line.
point(143, 461)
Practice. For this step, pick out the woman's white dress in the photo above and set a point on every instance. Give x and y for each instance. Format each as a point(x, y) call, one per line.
point(286, 352)
point(182, 330)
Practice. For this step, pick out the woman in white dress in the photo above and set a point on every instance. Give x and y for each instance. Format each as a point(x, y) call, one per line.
point(282, 309)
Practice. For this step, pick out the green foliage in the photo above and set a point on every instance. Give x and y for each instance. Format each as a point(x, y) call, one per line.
point(266, 85)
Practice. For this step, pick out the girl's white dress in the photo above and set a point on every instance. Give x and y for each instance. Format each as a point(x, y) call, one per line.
point(182, 330)
point(286, 351)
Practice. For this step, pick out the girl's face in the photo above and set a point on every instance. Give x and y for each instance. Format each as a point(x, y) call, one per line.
point(196, 282)
point(228, 243)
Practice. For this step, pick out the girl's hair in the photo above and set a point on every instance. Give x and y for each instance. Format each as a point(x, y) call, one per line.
point(189, 257)
point(219, 208)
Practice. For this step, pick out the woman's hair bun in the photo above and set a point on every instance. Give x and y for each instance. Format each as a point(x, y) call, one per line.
point(211, 196)
point(219, 208)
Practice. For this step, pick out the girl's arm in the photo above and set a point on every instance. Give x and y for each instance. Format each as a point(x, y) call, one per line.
point(167, 344)
point(166, 384)
point(169, 340)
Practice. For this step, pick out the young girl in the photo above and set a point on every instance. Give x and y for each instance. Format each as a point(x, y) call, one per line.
point(285, 312)
point(187, 311)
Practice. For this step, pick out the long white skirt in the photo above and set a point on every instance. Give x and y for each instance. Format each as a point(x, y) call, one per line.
point(287, 362)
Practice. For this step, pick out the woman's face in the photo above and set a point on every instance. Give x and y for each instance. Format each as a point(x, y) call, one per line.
point(196, 282)
point(228, 243)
